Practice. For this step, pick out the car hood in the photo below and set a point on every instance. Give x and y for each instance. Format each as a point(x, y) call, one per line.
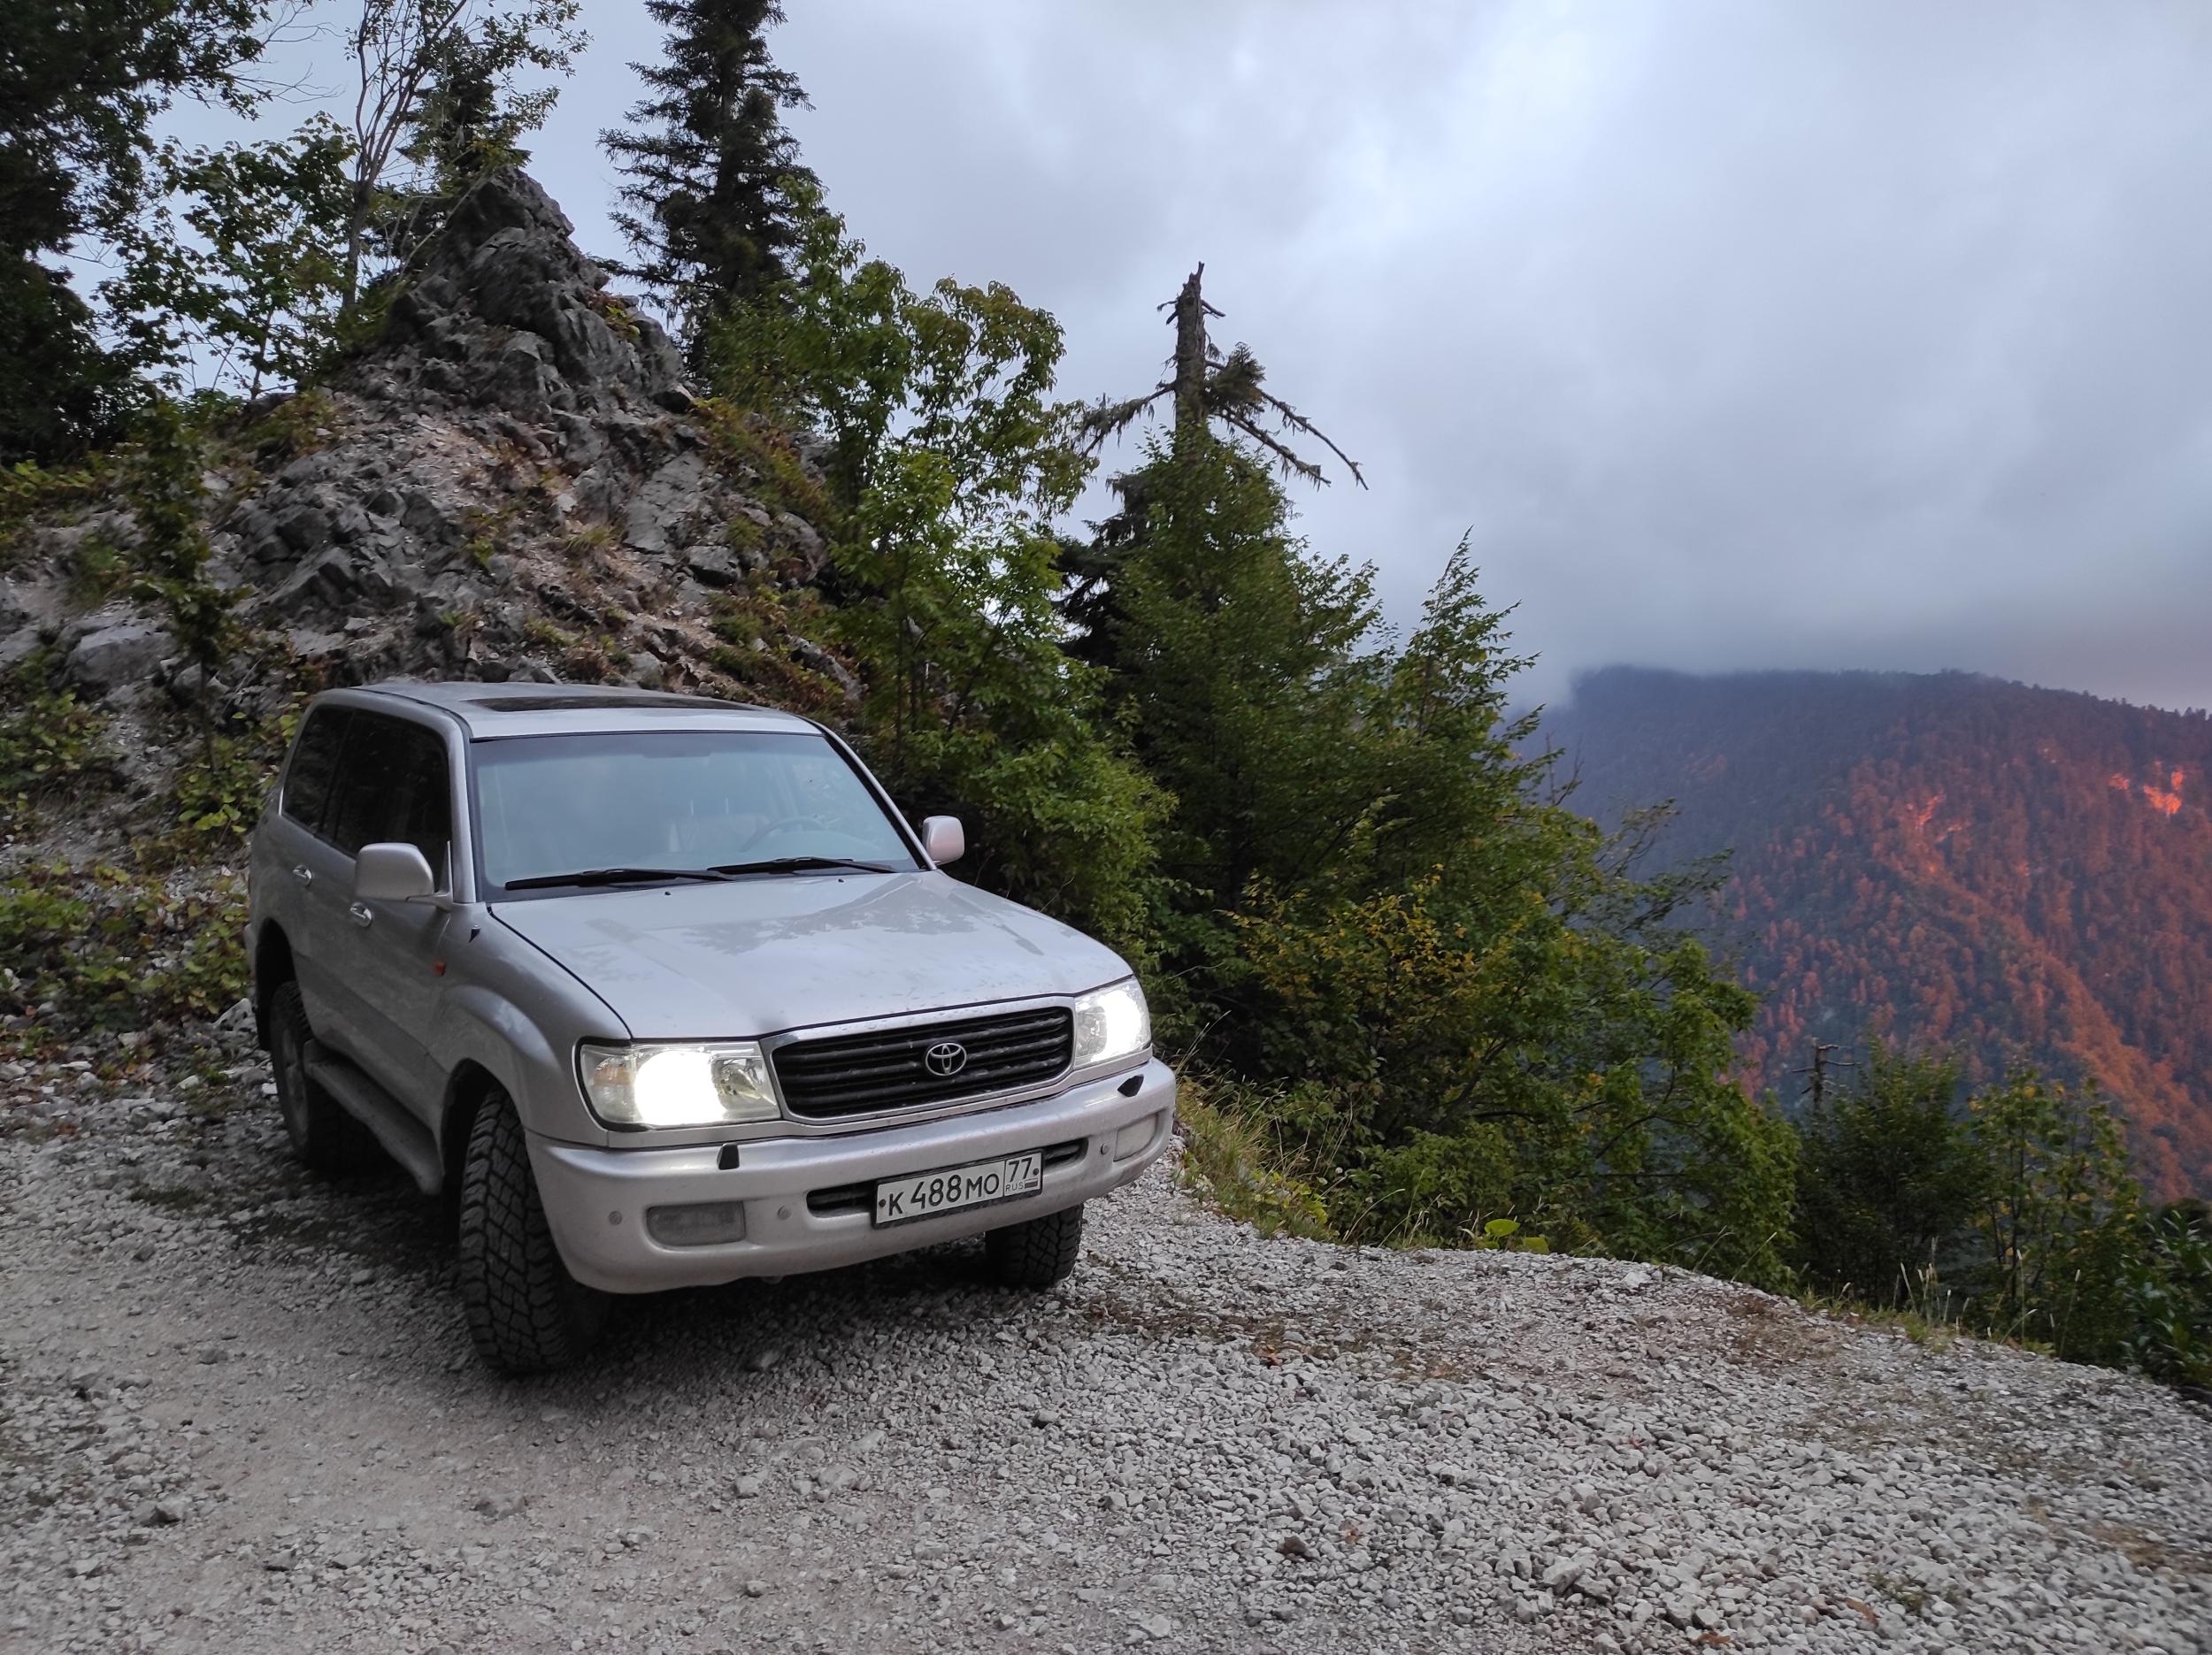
point(760, 955)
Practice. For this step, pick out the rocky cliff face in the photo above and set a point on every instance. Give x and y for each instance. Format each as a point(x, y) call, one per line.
point(513, 482)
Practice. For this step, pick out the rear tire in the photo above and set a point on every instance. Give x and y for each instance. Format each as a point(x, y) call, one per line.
point(526, 1313)
point(323, 1135)
point(1039, 1252)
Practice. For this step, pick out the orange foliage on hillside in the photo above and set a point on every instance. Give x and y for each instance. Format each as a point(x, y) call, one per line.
point(1946, 860)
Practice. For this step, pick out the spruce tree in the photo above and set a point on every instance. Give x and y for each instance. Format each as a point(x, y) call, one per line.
point(716, 193)
point(1215, 397)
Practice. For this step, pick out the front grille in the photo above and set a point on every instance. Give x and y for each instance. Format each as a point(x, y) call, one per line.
point(860, 1074)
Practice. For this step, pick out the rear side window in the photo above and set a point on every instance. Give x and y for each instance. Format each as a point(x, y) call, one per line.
point(395, 787)
point(315, 766)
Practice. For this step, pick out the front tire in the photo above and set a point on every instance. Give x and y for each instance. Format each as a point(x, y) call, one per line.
point(526, 1313)
point(323, 1135)
point(1038, 1253)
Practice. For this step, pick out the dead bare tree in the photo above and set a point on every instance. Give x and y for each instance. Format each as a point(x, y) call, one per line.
point(1206, 385)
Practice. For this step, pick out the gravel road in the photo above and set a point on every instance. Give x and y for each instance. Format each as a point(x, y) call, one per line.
point(237, 1413)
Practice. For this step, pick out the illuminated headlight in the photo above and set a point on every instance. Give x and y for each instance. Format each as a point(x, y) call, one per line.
point(1111, 1023)
point(690, 1085)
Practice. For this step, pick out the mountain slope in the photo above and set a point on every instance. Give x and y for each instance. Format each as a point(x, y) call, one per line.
point(1951, 860)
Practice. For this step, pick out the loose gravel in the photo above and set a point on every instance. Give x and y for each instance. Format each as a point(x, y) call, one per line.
point(238, 1413)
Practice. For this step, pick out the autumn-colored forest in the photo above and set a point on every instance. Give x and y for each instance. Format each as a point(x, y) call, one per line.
point(1948, 859)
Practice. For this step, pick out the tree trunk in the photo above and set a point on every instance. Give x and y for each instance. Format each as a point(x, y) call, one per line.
point(1190, 357)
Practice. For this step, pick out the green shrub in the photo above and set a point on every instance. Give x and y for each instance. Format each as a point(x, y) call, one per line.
point(108, 947)
point(1232, 1159)
point(1888, 1181)
point(47, 741)
point(2167, 1289)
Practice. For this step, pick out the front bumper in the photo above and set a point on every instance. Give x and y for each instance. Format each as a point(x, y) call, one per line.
point(596, 1199)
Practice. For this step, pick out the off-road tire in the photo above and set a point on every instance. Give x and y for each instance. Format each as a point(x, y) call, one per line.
point(1038, 1253)
point(526, 1313)
point(323, 1135)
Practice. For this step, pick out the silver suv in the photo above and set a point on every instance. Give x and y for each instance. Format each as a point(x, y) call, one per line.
point(664, 991)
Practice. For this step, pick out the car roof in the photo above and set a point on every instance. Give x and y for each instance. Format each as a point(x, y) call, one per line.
point(488, 711)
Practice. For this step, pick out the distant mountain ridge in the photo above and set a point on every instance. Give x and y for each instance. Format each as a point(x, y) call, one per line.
point(1949, 859)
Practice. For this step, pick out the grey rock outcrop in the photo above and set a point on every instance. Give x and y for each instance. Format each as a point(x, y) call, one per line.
point(507, 313)
point(513, 482)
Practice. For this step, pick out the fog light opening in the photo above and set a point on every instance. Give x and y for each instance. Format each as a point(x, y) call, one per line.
point(701, 1225)
point(1135, 1137)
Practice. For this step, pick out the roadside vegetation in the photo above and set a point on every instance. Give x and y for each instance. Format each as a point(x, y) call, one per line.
point(1419, 999)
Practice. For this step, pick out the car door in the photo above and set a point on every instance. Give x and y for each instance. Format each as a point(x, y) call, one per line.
point(397, 786)
point(309, 879)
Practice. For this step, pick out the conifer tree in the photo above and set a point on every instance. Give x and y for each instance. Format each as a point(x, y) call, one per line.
point(715, 195)
point(1215, 397)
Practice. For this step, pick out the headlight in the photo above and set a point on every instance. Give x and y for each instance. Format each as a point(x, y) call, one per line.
point(1111, 1023)
point(691, 1084)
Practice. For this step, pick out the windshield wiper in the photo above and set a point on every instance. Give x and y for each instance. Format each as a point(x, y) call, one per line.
point(799, 865)
point(613, 876)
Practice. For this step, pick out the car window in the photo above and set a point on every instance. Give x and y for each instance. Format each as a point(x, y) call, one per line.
point(549, 805)
point(314, 765)
point(393, 787)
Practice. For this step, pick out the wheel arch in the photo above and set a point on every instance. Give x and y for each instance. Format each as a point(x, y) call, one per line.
point(272, 968)
point(466, 1090)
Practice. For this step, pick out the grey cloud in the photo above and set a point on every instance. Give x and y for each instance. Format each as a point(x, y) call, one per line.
point(1739, 333)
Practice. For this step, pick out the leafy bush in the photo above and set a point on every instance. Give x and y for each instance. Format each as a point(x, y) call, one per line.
point(47, 741)
point(2168, 1290)
point(2059, 1221)
point(950, 463)
point(1887, 1181)
point(1232, 1157)
point(106, 947)
point(2011, 1213)
point(220, 793)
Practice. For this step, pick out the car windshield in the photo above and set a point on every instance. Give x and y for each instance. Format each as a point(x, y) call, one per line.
point(690, 800)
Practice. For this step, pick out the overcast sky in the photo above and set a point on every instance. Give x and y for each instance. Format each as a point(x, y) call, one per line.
point(1738, 335)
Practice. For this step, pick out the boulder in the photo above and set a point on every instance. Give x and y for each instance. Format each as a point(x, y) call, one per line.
point(117, 653)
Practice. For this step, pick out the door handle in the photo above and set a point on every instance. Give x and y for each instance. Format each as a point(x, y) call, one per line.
point(304, 874)
point(361, 913)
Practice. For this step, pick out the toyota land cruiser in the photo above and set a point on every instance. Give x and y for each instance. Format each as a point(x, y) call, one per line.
point(663, 991)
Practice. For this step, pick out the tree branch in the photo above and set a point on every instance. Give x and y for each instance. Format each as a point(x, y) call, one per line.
point(1292, 461)
point(1297, 421)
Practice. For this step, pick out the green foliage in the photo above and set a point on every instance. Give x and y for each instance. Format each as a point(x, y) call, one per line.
point(110, 947)
point(716, 198)
point(165, 490)
point(477, 93)
point(1234, 1157)
point(81, 82)
point(950, 463)
point(299, 424)
point(47, 742)
point(2168, 1289)
point(29, 492)
point(1887, 1181)
point(2059, 1219)
point(234, 268)
point(1505, 1234)
point(2010, 1214)
point(62, 391)
point(1369, 892)
point(219, 795)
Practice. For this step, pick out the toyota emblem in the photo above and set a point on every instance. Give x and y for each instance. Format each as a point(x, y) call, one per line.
point(947, 1057)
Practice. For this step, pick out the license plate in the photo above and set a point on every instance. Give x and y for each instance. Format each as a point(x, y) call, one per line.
point(926, 1195)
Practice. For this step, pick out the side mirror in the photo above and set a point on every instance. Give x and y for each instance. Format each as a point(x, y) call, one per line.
point(943, 839)
point(392, 873)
